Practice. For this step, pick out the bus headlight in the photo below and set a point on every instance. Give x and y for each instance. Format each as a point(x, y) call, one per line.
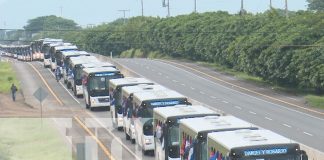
point(93, 101)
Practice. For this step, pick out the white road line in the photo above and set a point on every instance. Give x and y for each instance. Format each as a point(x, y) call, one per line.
point(287, 125)
point(252, 112)
point(147, 67)
point(268, 118)
point(64, 87)
point(201, 92)
point(183, 84)
point(238, 107)
point(175, 81)
point(225, 102)
point(213, 97)
point(192, 88)
point(160, 73)
point(292, 98)
point(167, 77)
point(307, 133)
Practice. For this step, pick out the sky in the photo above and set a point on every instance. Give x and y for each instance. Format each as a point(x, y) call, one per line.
point(14, 14)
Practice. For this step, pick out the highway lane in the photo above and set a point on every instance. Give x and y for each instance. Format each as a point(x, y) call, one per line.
point(291, 123)
point(99, 119)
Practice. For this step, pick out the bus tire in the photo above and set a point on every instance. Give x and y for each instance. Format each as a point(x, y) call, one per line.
point(133, 141)
point(68, 85)
point(65, 81)
point(108, 108)
point(127, 136)
point(120, 128)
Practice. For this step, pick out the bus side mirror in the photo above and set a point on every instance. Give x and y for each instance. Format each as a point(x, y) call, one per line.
point(303, 155)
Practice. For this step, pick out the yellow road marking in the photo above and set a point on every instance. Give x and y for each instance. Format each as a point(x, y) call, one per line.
point(101, 145)
point(46, 84)
point(213, 77)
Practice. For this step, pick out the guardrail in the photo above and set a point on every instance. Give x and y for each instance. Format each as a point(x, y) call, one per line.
point(312, 153)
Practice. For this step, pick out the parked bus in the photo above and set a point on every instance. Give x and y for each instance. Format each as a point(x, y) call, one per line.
point(115, 90)
point(95, 83)
point(143, 104)
point(55, 52)
point(64, 57)
point(47, 53)
point(39, 55)
point(128, 118)
point(166, 128)
point(194, 131)
point(252, 145)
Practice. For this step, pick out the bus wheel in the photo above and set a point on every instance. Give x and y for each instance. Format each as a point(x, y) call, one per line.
point(133, 141)
point(119, 128)
point(127, 136)
point(68, 85)
point(108, 108)
point(65, 81)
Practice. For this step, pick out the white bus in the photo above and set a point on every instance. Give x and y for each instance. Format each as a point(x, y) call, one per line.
point(65, 56)
point(47, 54)
point(193, 133)
point(252, 145)
point(143, 104)
point(115, 90)
point(55, 55)
point(95, 83)
point(166, 128)
point(128, 94)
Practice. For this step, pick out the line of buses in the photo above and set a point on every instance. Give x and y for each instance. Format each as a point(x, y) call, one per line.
point(159, 120)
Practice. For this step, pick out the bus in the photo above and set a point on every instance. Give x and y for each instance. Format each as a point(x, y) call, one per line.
point(143, 104)
point(47, 55)
point(252, 145)
point(39, 55)
point(64, 56)
point(95, 83)
point(128, 119)
point(166, 128)
point(55, 52)
point(115, 90)
point(193, 135)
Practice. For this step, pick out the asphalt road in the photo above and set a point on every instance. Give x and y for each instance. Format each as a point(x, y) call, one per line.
point(98, 121)
point(292, 123)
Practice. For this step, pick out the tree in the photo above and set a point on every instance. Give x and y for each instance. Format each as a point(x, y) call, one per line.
point(50, 23)
point(316, 5)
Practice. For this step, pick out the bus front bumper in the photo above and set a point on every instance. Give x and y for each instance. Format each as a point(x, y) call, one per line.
point(148, 143)
point(100, 101)
point(79, 90)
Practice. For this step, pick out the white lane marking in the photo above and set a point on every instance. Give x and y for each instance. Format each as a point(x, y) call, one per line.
point(201, 92)
point(175, 81)
point(192, 88)
point(64, 87)
point(307, 133)
point(225, 102)
point(238, 107)
point(160, 73)
point(183, 84)
point(268, 118)
point(292, 98)
point(153, 70)
point(213, 97)
point(147, 67)
point(257, 98)
point(287, 125)
point(252, 112)
point(167, 77)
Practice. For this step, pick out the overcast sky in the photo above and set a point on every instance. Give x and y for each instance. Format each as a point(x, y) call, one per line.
point(15, 13)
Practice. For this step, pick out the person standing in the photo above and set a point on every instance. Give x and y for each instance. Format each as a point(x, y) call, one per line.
point(13, 92)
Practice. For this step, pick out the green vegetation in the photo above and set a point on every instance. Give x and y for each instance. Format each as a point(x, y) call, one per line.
point(137, 53)
point(315, 101)
point(7, 77)
point(317, 5)
point(280, 51)
point(25, 139)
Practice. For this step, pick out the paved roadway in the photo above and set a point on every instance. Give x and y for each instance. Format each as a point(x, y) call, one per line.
point(112, 139)
point(296, 125)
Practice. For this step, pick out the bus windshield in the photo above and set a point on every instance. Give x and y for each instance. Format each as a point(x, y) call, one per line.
point(98, 86)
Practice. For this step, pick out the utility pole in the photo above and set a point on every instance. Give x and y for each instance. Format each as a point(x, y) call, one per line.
point(242, 7)
point(195, 8)
point(124, 12)
point(270, 4)
point(169, 8)
point(142, 3)
point(286, 1)
point(166, 5)
point(61, 9)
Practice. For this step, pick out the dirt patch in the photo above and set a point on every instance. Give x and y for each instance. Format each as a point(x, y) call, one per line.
point(8, 108)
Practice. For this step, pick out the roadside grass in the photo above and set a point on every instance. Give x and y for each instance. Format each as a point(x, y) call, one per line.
point(315, 101)
point(137, 53)
point(7, 77)
point(24, 138)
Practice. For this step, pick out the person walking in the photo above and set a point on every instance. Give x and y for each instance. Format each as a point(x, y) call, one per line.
point(13, 92)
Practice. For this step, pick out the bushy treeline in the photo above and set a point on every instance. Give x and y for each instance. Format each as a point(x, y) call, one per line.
point(280, 50)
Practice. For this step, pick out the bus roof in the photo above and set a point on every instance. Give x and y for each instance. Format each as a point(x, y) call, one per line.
point(114, 83)
point(182, 111)
point(70, 53)
point(213, 123)
point(244, 138)
point(83, 60)
point(65, 47)
point(99, 69)
point(157, 95)
point(141, 88)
